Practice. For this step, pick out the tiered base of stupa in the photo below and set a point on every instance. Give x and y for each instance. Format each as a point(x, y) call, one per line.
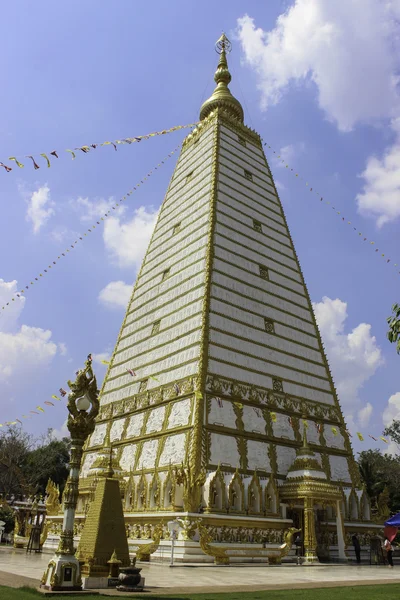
point(243, 538)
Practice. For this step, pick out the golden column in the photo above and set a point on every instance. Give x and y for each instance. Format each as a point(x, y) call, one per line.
point(310, 539)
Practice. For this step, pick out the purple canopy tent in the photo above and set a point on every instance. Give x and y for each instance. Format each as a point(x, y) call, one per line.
point(391, 527)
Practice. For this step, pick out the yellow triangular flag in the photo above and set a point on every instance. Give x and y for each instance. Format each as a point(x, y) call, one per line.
point(55, 397)
point(40, 408)
point(334, 430)
point(105, 362)
point(273, 417)
point(360, 436)
point(383, 439)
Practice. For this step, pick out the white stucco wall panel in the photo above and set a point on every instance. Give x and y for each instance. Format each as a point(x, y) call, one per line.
point(182, 330)
point(253, 278)
point(253, 419)
point(259, 350)
point(339, 468)
point(222, 415)
point(88, 460)
point(183, 213)
point(312, 431)
point(309, 394)
point(224, 450)
point(155, 420)
point(282, 427)
point(147, 459)
point(183, 346)
point(180, 413)
point(285, 458)
point(235, 356)
point(174, 370)
point(240, 374)
point(228, 249)
point(179, 263)
point(257, 455)
point(116, 430)
point(253, 188)
point(227, 297)
point(249, 271)
point(259, 335)
point(171, 314)
point(268, 229)
point(263, 249)
point(253, 201)
point(128, 455)
point(166, 297)
point(235, 225)
point(98, 435)
point(332, 440)
point(174, 450)
point(249, 293)
point(135, 425)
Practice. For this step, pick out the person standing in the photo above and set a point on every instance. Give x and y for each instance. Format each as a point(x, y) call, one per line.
point(357, 547)
point(389, 551)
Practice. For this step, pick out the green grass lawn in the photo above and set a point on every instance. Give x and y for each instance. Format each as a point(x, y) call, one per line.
point(369, 592)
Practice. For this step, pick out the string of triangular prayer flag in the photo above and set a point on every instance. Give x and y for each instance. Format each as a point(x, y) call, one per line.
point(81, 237)
point(88, 148)
point(338, 212)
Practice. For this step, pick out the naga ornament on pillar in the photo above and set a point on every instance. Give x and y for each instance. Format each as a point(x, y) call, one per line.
point(63, 571)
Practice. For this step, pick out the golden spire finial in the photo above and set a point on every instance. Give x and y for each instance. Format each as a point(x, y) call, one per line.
point(222, 96)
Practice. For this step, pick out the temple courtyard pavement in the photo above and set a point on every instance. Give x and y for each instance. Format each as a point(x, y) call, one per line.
point(19, 569)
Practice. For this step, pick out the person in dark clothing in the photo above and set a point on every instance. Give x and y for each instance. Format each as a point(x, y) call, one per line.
point(357, 547)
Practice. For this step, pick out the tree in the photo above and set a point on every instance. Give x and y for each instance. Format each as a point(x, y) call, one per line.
point(48, 461)
point(393, 334)
point(369, 463)
point(14, 448)
point(379, 471)
point(27, 464)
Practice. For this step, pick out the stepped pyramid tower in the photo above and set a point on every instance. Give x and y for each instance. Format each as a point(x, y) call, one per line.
point(219, 362)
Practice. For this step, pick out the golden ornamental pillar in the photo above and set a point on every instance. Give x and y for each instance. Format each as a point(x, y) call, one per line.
point(310, 538)
point(63, 570)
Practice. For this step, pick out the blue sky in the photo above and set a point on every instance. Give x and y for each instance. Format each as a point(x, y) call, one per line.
point(316, 79)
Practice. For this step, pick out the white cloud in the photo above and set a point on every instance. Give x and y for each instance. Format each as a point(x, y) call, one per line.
point(23, 349)
point(40, 208)
point(348, 50)
point(116, 294)
point(93, 209)
point(392, 410)
point(62, 349)
point(97, 358)
point(127, 241)
point(354, 357)
point(380, 197)
point(364, 414)
point(62, 432)
point(288, 153)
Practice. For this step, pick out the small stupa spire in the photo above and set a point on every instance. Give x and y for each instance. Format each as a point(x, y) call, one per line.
point(222, 96)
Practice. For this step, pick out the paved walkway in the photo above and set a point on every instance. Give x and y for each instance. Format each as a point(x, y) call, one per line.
point(17, 569)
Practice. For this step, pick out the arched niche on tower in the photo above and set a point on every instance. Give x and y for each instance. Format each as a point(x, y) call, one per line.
point(217, 493)
point(129, 497)
point(271, 496)
point(141, 493)
point(254, 496)
point(168, 491)
point(365, 507)
point(352, 506)
point(154, 492)
point(235, 499)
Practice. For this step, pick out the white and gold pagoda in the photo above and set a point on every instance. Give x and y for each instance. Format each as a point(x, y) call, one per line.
point(219, 362)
